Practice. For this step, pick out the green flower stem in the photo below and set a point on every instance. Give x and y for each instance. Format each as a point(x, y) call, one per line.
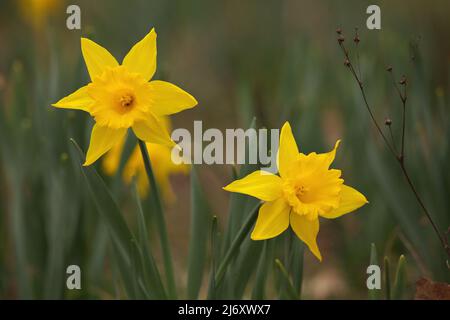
point(234, 248)
point(160, 220)
point(291, 291)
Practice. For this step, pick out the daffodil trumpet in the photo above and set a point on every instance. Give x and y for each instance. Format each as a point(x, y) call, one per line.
point(304, 190)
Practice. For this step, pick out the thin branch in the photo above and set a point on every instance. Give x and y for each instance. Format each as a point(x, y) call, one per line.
point(425, 210)
point(403, 98)
point(395, 83)
point(358, 80)
point(356, 40)
point(388, 123)
point(399, 158)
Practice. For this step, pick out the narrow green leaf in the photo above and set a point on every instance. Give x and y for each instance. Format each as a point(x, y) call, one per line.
point(108, 209)
point(287, 243)
point(199, 237)
point(134, 269)
point(20, 242)
point(296, 267)
point(400, 279)
point(212, 291)
point(374, 294)
point(150, 273)
point(261, 275)
point(235, 244)
point(106, 205)
point(243, 266)
point(97, 258)
point(387, 279)
point(290, 290)
point(245, 101)
point(160, 221)
point(122, 264)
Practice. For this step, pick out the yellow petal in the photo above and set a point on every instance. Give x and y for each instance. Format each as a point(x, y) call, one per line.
point(287, 151)
point(168, 99)
point(273, 219)
point(102, 139)
point(259, 184)
point(152, 130)
point(142, 57)
point(351, 200)
point(307, 231)
point(96, 57)
point(328, 157)
point(79, 100)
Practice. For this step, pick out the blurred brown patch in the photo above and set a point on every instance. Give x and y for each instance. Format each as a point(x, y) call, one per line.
point(429, 290)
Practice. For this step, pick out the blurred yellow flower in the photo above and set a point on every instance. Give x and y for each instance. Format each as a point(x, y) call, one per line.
point(305, 189)
point(121, 96)
point(162, 164)
point(37, 11)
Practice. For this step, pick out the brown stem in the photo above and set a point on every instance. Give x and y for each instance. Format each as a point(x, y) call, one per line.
point(442, 239)
point(399, 158)
point(403, 98)
point(392, 139)
point(358, 80)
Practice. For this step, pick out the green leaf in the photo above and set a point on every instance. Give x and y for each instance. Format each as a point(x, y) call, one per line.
point(160, 222)
point(120, 234)
point(20, 240)
point(200, 218)
point(387, 279)
point(236, 243)
point(290, 290)
point(134, 269)
point(261, 274)
point(296, 267)
point(123, 264)
point(400, 279)
point(150, 272)
point(243, 266)
point(212, 291)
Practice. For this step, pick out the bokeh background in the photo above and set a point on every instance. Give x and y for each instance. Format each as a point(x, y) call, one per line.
point(272, 60)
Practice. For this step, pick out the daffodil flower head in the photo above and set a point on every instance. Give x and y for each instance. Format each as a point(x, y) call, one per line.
point(304, 190)
point(122, 96)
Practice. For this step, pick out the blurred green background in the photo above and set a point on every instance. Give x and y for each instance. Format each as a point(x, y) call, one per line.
point(273, 60)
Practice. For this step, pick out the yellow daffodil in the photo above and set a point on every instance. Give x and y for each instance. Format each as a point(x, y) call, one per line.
point(121, 97)
point(160, 157)
point(305, 189)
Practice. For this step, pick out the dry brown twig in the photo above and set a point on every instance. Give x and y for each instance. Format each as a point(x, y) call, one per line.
point(399, 156)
